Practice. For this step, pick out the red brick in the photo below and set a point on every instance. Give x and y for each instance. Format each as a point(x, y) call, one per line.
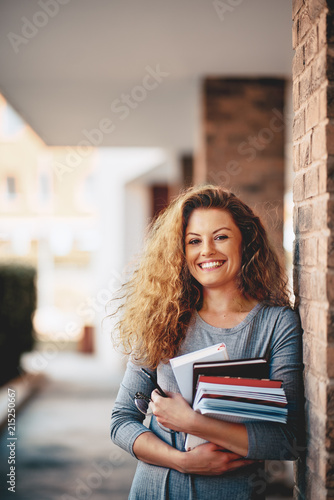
point(295, 96)
point(311, 45)
point(309, 318)
point(318, 285)
point(322, 251)
point(298, 62)
point(304, 23)
point(320, 213)
point(305, 285)
point(310, 250)
point(315, 423)
point(304, 220)
point(307, 349)
point(312, 112)
point(319, 74)
point(305, 85)
point(299, 125)
point(296, 157)
point(318, 141)
point(322, 393)
point(322, 325)
point(323, 178)
point(299, 188)
point(311, 182)
point(315, 392)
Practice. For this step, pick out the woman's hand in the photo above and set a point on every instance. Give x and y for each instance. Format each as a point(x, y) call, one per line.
point(211, 460)
point(173, 412)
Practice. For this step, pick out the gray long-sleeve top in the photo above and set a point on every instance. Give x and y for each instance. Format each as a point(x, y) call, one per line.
point(270, 332)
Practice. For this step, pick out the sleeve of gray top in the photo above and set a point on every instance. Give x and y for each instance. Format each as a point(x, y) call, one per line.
point(126, 419)
point(270, 440)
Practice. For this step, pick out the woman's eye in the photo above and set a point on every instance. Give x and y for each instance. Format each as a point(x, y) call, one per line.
point(194, 242)
point(221, 237)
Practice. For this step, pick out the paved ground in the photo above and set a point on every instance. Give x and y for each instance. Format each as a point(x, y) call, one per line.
point(63, 449)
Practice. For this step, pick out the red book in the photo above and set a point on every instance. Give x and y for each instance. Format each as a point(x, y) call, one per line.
point(249, 382)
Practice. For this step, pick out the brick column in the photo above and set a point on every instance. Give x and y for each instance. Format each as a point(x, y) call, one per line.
point(313, 84)
point(243, 144)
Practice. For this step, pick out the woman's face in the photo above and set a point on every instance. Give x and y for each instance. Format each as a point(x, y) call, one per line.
point(213, 247)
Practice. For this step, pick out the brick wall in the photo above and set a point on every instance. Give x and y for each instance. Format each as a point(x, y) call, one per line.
point(243, 144)
point(313, 84)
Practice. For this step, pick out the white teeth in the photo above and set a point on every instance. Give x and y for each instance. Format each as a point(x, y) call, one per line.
point(211, 265)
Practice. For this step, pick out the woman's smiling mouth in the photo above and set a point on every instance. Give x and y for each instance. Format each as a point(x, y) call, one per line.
point(211, 265)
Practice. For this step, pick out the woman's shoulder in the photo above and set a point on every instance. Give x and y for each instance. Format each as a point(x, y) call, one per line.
point(283, 314)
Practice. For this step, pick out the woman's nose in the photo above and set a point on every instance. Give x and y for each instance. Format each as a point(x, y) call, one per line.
point(208, 248)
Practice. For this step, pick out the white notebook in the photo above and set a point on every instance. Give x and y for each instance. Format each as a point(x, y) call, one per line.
point(183, 366)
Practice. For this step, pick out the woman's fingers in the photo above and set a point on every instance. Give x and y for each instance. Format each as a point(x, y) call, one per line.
point(172, 412)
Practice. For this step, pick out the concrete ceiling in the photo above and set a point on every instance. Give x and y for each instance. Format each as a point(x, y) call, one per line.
point(64, 63)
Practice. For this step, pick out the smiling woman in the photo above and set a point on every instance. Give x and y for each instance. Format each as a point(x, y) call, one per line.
point(208, 274)
point(213, 247)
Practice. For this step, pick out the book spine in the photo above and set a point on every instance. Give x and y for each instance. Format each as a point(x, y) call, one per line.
point(249, 382)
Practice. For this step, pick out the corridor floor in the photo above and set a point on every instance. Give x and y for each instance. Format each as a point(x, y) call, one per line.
point(63, 449)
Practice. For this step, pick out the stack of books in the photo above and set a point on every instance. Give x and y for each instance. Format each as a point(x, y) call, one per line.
point(235, 391)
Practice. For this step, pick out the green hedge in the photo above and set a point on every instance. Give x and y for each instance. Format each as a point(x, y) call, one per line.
point(17, 304)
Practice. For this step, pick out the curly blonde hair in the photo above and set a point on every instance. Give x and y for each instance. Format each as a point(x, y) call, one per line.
point(161, 296)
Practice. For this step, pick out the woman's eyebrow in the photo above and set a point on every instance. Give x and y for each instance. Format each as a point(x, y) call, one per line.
point(222, 228)
point(194, 234)
point(216, 231)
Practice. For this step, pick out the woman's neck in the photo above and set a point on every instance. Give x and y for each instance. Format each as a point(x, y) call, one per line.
point(216, 301)
point(225, 310)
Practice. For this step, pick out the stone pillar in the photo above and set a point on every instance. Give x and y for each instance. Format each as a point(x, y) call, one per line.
point(313, 134)
point(243, 144)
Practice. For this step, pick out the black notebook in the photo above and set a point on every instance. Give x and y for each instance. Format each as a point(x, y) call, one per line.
point(245, 368)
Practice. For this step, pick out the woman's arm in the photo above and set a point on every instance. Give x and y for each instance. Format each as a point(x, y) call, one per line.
point(175, 413)
point(206, 459)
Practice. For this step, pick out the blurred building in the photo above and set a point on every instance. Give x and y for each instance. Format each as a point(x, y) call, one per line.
point(45, 222)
